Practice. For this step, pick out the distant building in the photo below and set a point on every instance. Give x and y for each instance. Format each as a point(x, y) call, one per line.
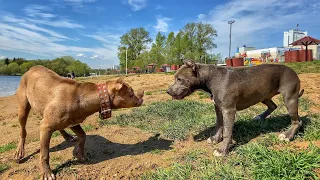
point(292, 36)
point(115, 67)
point(269, 53)
point(244, 48)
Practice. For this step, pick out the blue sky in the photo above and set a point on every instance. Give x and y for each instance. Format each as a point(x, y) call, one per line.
point(90, 30)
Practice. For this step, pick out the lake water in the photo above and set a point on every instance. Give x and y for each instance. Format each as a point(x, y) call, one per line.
point(9, 85)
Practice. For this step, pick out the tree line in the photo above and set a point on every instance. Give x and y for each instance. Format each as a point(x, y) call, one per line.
point(193, 41)
point(62, 66)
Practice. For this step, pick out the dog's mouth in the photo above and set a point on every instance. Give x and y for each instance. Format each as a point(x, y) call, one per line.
point(180, 96)
point(139, 102)
point(177, 97)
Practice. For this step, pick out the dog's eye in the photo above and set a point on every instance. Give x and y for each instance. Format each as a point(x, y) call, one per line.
point(178, 79)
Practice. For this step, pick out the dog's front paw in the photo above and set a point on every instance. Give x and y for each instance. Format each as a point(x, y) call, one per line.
point(48, 175)
point(283, 137)
point(213, 140)
point(217, 153)
point(19, 154)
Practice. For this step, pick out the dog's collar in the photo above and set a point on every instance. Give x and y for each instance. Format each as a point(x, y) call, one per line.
point(105, 102)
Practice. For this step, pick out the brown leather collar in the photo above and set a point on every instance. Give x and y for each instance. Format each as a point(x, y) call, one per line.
point(105, 101)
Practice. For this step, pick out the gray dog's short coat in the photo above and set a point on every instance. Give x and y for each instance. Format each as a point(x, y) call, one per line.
point(235, 89)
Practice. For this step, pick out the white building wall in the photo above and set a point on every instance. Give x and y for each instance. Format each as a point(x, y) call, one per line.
point(293, 35)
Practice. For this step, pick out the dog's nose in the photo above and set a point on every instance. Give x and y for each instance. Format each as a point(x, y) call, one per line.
point(168, 92)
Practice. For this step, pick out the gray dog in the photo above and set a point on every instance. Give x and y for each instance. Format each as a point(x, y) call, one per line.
point(235, 89)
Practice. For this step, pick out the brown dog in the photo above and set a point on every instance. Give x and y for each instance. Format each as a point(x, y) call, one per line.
point(66, 103)
point(235, 89)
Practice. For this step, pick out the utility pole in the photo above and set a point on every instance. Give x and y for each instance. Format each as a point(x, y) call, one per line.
point(126, 60)
point(230, 22)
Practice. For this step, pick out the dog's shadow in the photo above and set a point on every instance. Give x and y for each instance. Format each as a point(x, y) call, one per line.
point(99, 149)
point(247, 129)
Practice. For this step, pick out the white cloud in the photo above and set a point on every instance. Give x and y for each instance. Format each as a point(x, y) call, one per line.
point(106, 38)
point(78, 3)
point(38, 15)
point(137, 5)
point(200, 16)
point(94, 57)
point(257, 22)
point(81, 55)
point(38, 11)
point(23, 35)
point(64, 23)
point(162, 24)
point(2, 57)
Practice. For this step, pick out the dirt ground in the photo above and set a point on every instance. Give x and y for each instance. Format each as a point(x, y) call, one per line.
point(114, 152)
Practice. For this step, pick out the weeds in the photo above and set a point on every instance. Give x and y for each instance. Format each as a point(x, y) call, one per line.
point(8, 147)
point(3, 167)
point(305, 67)
point(253, 161)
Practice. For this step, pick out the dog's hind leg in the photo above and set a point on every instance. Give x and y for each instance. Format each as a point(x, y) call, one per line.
point(24, 109)
point(82, 139)
point(291, 103)
point(271, 107)
point(68, 137)
point(219, 127)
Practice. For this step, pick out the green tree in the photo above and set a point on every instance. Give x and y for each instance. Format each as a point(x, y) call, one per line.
point(136, 41)
point(198, 39)
point(7, 61)
point(204, 39)
point(20, 61)
point(169, 52)
point(4, 70)
point(157, 52)
point(68, 59)
point(13, 68)
point(143, 60)
point(26, 66)
point(79, 68)
point(2, 63)
point(59, 65)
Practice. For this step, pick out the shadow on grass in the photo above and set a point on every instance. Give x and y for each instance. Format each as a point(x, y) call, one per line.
point(247, 129)
point(99, 149)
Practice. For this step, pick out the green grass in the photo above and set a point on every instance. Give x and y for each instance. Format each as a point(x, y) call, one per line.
point(311, 130)
point(248, 159)
point(253, 161)
point(181, 119)
point(173, 119)
point(148, 93)
point(305, 67)
point(3, 167)
point(281, 164)
point(8, 147)
point(86, 128)
point(203, 95)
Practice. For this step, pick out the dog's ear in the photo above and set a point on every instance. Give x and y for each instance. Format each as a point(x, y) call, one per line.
point(190, 63)
point(119, 84)
point(120, 80)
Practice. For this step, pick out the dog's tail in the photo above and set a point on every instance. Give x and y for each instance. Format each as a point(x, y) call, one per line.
point(301, 92)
